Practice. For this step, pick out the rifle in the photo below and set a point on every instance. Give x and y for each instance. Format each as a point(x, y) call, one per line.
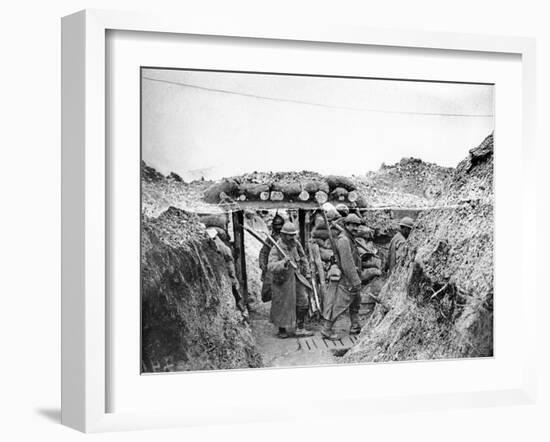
point(300, 277)
point(313, 277)
point(332, 243)
point(292, 263)
point(357, 243)
point(270, 238)
point(255, 235)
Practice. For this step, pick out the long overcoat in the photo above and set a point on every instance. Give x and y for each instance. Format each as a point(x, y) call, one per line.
point(396, 250)
point(267, 277)
point(339, 296)
point(285, 283)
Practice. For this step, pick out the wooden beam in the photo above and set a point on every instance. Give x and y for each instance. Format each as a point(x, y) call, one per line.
point(304, 228)
point(239, 251)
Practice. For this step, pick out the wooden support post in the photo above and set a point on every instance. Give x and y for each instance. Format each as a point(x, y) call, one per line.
point(304, 228)
point(239, 251)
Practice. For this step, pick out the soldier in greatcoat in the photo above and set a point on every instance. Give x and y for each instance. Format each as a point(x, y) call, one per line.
point(398, 247)
point(290, 296)
point(344, 291)
point(266, 276)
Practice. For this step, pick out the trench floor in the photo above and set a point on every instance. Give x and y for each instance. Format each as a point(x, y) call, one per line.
point(291, 352)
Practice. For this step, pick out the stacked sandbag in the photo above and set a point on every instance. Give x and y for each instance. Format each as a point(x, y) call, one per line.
point(287, 188)
point(371, 267)
point(371, 264)
point(335, 181)
point(293, 187)
point(365, 232)
point(316, 186)
point(217, 221)
point(214, 193)
point(339, 194)
point(253, 189)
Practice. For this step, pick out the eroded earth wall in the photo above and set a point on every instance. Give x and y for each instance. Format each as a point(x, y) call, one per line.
point(439, 298)
point(189, 317)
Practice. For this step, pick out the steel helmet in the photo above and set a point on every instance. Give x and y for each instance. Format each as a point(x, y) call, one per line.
point(342, 209)
point(278, 220)
point(330, 210)
point(289, 228)
point(406, 222)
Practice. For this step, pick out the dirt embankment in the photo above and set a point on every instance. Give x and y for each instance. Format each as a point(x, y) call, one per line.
point(189, 317)
point(159, 192)
point(410, 183)
point(441, 295)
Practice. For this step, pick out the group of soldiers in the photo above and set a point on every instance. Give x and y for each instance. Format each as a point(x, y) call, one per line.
point(287, 273)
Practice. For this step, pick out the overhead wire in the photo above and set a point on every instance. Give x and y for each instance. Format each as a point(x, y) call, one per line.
point(309, 103)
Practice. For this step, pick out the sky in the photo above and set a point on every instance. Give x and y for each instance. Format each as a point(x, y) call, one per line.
point(219, 124)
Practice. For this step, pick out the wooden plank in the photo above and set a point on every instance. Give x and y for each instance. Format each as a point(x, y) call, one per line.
point(239, 253)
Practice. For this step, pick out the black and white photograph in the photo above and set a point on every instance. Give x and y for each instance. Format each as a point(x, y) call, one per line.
point(301, 220)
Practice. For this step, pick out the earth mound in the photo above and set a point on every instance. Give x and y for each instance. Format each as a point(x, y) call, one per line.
point(410, 183)
point(190, 320)
point(159, 192)
point(440, 296)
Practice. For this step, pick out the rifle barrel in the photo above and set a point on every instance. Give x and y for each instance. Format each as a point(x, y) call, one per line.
point(255, 235)
point(358, 244)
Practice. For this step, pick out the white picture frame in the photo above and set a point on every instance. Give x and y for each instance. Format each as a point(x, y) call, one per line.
point(85, 213)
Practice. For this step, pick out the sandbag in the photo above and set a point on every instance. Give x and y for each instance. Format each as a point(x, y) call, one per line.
point(326, 254)
point(316, 186)
point(372, 262)
point(339, 193)
point(212, 194)
point(254, 189)
point(324, 187)
point(320, 224)
point(335, 181)
point(214, 220)
point(222, 233)
point(311, 186)
point(365, 232)
point(361, 201)
point(369, 274)
point(323, 233)
point(366, 247)
point(287, 188)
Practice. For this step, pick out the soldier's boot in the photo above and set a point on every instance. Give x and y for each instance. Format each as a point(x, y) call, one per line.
point(327, 332)
point(282, 334)
point(301, 331)
point(355, 328)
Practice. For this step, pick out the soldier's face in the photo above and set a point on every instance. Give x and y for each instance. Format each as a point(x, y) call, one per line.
point(353, 228)
point(405, 231)
point(288, 239)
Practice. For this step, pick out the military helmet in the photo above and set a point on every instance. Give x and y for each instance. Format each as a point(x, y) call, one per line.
point(289, 228)
point(342, 209)
point(352, 218)
point(330, 211)
point(278, 220)
point(406, 222)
